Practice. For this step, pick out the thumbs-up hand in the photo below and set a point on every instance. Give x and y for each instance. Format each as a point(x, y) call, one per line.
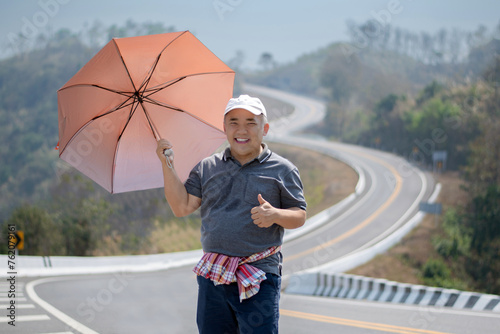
point(261, 200)
point(263, 215)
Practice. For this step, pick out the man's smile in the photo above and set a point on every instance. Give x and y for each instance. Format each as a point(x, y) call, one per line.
point(242, 140)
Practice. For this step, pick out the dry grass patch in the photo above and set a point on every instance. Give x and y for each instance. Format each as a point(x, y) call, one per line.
point(326, 180)
point(177, 235)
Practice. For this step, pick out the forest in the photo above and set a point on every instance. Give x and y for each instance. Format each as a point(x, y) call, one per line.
point(409, 93)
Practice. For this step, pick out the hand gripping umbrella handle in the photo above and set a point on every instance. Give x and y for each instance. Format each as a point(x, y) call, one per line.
point(168, 152)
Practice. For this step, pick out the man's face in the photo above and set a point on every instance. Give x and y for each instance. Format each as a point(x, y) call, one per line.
point(244, 132)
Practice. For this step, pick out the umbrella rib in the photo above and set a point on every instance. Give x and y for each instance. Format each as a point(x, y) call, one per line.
point(124, 65)
point(166, 85)
point(156, 89)
point(134, 108)
point(122, 105)
point(74, 136)
point(156, 134)
point(100, 87)
point(150, 75)
point(112, 90)
point(158, 103)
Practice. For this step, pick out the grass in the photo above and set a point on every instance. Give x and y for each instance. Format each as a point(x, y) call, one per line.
point(180, 234)
point(326, 180)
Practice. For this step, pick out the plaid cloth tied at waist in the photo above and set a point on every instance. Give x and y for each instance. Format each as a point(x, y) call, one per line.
point(223, 269)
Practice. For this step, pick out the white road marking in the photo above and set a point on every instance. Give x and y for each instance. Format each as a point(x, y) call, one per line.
point(30, 290)
point(4, 306)
point(5, 299)
point(22, 318)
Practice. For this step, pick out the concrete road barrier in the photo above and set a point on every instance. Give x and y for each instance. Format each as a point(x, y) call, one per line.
point(382, 290)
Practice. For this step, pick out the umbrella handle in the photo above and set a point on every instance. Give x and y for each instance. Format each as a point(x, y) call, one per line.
point(168, 152)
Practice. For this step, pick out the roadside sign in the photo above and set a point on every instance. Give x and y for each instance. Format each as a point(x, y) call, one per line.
point(18, 240)
point(439, 159)
point(434, 208)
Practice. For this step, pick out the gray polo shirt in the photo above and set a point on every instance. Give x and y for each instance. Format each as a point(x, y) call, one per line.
point(229, 191)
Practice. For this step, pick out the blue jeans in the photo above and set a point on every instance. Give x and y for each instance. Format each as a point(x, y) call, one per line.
point(220, 310)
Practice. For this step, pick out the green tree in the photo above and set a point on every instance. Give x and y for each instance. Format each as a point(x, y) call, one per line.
point(435, 272)
point(267, 61)
point(339, 76)
point(484, 220)
point(84, 215)
point(386, 105)
point(492, 75)
point(456, 241)
point(483, 211)
point(429, 92)
point(483, 168)
point(434, 127)
point(387, 128)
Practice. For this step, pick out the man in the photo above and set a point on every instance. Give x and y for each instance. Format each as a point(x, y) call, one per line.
point(247, 195)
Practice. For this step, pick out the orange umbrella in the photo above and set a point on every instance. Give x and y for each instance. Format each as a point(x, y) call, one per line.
point(135, 91)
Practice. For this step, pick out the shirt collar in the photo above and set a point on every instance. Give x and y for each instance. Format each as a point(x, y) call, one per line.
point(263, 157)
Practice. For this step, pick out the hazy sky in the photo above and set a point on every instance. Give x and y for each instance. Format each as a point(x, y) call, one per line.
point(285, 28)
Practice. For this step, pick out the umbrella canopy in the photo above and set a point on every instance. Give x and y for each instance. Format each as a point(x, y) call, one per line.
point(135, 91)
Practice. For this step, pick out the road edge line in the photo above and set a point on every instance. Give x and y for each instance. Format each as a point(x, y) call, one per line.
point(30, 290)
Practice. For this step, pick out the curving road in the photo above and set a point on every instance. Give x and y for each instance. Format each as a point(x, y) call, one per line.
point(391, 193)
point(165, 301)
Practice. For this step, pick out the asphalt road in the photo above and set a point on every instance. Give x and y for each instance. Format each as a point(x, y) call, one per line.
point(165, 301)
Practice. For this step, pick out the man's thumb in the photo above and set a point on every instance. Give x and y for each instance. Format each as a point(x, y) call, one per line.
point(261, 199)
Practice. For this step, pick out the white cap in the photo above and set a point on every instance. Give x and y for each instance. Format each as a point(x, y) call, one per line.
point(252, 104)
